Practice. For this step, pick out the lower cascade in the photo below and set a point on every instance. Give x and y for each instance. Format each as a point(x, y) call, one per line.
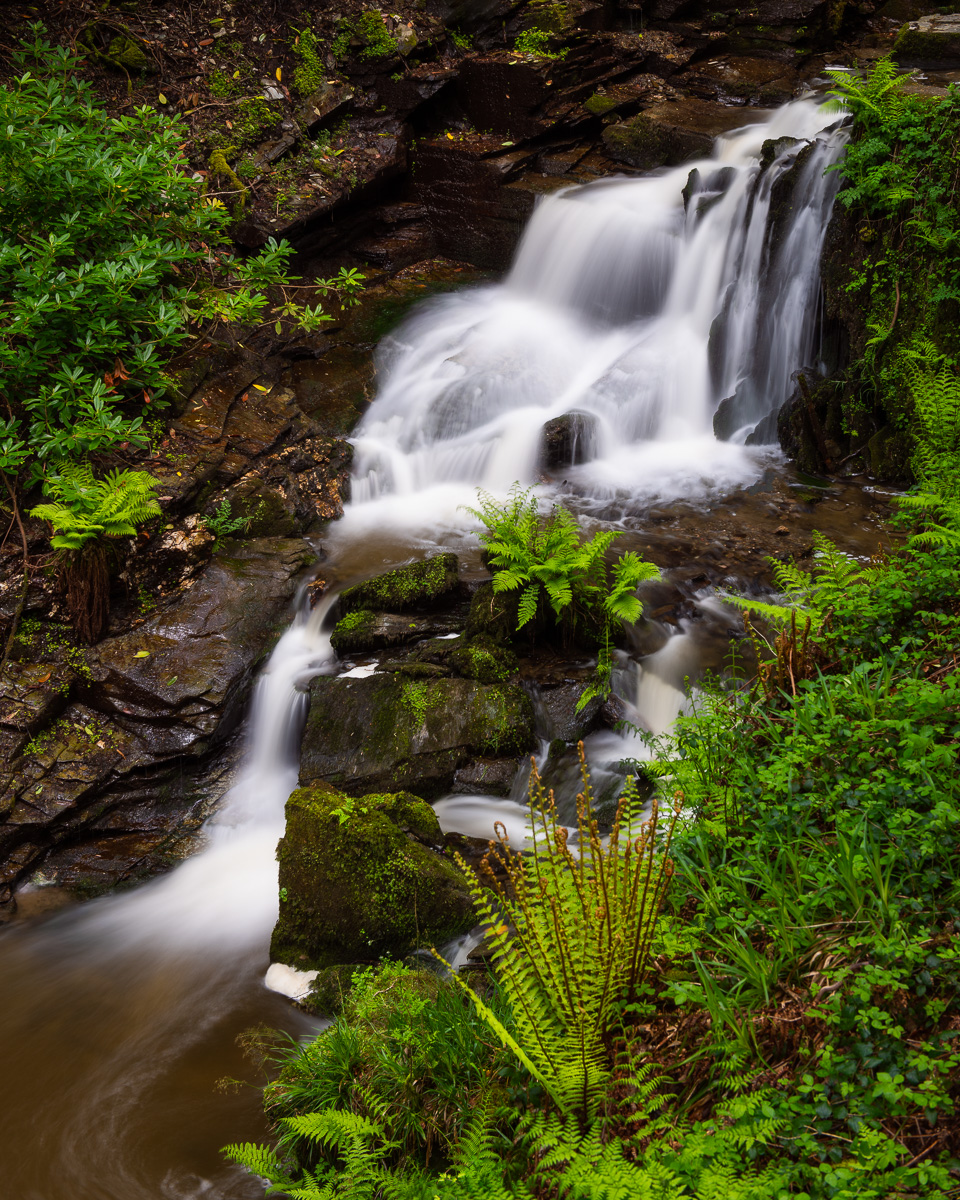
point(637, 307)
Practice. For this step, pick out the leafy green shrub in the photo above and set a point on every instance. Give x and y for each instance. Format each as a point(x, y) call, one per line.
point(108, 268)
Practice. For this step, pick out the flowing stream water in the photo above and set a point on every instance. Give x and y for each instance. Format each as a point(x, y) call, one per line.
point(628, 305)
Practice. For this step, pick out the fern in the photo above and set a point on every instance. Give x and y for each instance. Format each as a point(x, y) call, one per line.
point(85, 507)
point(554, 569)
point(583, 931)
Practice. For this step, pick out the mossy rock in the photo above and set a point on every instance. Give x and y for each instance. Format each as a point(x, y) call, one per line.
point(330, 990)
point(389, 731)
point(420, 585)
point(888, 454)
point(597, 105)
point(932, 42)
point(482, 659)
point(360, 880)
point(363, 631)
point(493, 615)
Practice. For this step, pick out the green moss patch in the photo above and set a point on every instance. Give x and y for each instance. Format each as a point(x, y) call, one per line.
point(420, 585)
point(360, 880)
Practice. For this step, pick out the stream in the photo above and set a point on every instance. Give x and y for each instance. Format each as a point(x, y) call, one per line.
point(630, 305)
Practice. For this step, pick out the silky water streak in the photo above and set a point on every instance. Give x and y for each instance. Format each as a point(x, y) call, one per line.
point(640, 304)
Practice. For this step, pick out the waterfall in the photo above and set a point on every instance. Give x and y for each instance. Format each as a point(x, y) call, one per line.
point(631, 304)
point(638, 304)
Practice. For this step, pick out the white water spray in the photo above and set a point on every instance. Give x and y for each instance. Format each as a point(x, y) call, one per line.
point(629, 305)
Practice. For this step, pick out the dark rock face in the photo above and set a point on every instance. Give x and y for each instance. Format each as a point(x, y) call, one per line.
point(390, 731)
point(119, 732)
point(568, 440)
point(670, 133)
point(362, 879)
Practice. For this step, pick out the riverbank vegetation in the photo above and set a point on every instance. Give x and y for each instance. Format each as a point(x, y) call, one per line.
point(112, 262)
point(794, 1029)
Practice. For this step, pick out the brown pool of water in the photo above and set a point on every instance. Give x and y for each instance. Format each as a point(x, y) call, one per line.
point(112, 1067)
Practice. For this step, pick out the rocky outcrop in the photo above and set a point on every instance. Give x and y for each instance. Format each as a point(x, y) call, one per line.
point(400, 730)
point(670, 133)
point(931, 42)
point(111, 743)
point(362, 879)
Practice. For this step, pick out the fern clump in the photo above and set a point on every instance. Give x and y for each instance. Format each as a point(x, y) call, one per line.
point(84, 513)
point(573, 935)
point(558, 572)
point(85, 507)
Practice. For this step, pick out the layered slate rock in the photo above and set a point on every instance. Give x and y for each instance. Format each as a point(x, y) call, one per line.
point(671, 133)
point(390, 731)
point(117, 737)
point(362, 879)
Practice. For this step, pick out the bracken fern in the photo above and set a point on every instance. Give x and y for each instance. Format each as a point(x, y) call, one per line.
point(573, 935)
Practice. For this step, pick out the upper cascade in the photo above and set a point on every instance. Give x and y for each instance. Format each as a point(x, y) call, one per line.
point(640, 304)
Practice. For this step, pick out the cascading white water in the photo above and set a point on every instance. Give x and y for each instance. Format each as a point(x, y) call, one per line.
point(624, 304)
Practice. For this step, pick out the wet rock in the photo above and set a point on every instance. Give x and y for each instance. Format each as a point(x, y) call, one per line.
point(726, 419)
point(480, 658)
point(323, 106)
point(932, 42)
point(483, 659)
point(560, 709)
point(743, 79)
point(492, 614)
point(153, 700)
point(670, 133)
point(363, 879)
point(363, 631)
point(568, 440)
point(192, 664)
point(32, 695)
point(486, 777)
point(421, 585)
point(389, 732)
point(476, 203)
point(329, 991)
point(888, 455)
point(772, 148)
point(764, 432)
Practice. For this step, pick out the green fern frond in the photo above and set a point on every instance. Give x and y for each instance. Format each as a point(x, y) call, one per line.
point(258, 1160)
point(85, 507)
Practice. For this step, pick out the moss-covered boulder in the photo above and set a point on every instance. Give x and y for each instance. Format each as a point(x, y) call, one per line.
point(480, 658)
point(362, 879)
point(420, 585)
point(363, 631)
point(390, 731)
point(493, 614)
point(932, 42)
